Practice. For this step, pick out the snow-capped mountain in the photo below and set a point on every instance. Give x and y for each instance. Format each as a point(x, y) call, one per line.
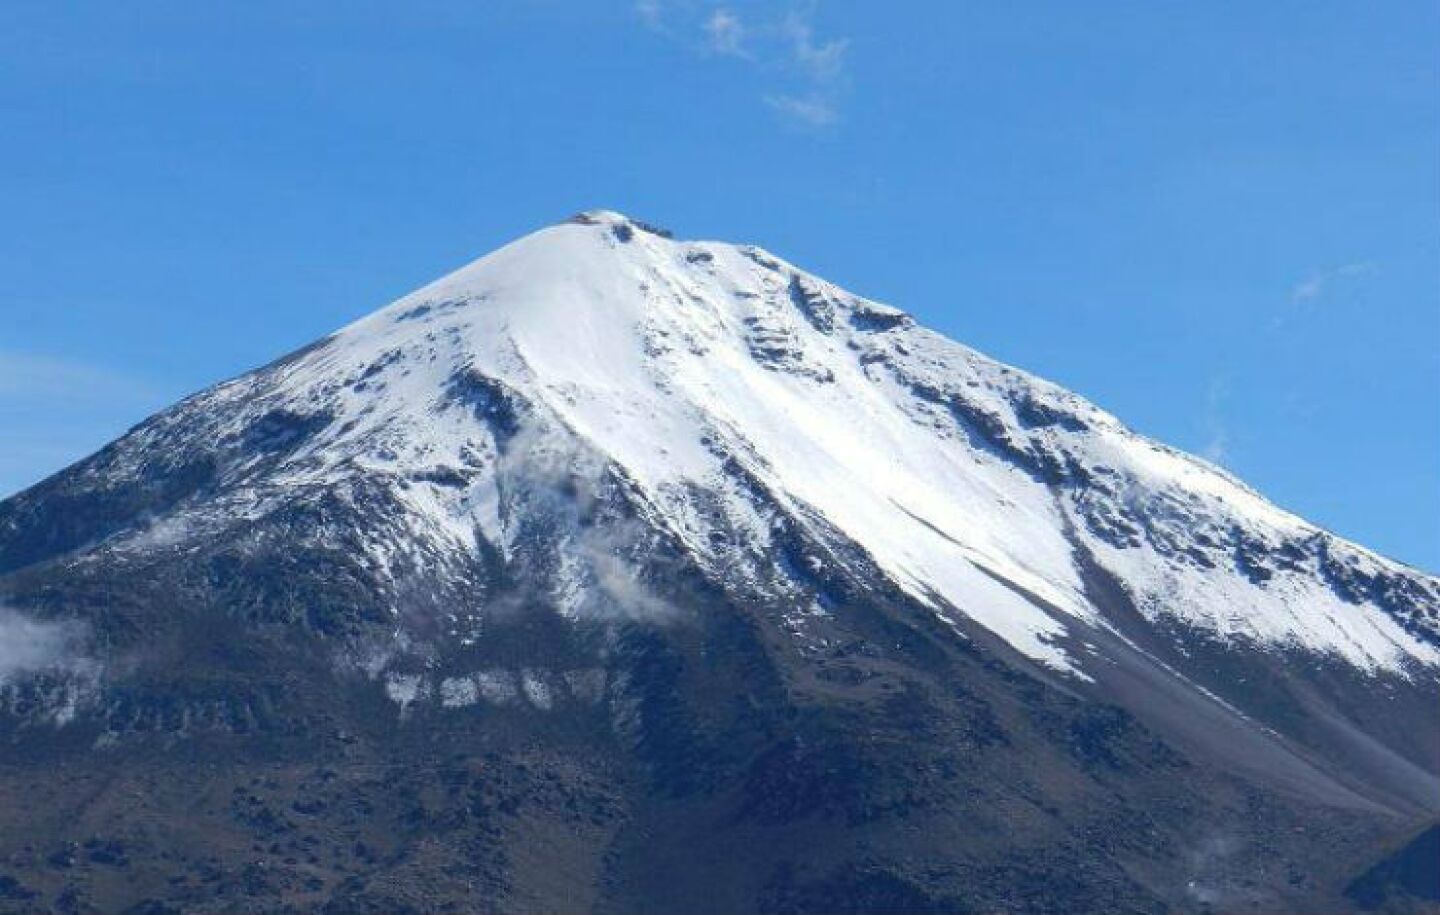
point(600, 429)
point(726, 390)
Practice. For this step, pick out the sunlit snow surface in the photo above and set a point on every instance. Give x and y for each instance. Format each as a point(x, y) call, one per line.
point(971, 484)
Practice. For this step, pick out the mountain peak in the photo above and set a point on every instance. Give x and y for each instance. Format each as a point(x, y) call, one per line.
point(598, 217)
point(618, 221)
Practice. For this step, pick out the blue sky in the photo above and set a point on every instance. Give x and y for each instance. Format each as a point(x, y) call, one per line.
point(1220, 221)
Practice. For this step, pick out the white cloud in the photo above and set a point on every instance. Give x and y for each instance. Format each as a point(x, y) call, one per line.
point(561, 480)
point(811, 111)
point(725, 34)
point(55, 650)
point(1217, 434)
point(30, 646)
point(1316, 285)
point(1217, 447)
point(808, 71)
point(819, 65)
point(822, 61)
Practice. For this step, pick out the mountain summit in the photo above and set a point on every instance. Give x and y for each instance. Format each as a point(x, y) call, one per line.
point(614, 572)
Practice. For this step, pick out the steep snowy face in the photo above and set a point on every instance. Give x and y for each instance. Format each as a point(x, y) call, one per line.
point(732, 394)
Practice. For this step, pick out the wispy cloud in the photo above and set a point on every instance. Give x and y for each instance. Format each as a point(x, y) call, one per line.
point(38, 376)
point(808, 71)
point(598, 573)
point(813, 110)
point(822, 61)
point(56, 650)
point(1217, 433)
point(1316, 288)
point(1316, 285)
point(725, 34)
point(32, 646)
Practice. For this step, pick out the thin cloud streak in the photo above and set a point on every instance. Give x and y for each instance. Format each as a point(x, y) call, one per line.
point(1217, 433)
point(1315, 286)
point(36, 376)
point(814, 111)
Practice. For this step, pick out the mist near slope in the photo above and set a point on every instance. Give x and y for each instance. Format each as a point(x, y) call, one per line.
point(564, 481)
point(30, 646)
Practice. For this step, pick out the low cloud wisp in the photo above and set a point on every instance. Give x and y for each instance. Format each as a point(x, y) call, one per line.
point(30, 646)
